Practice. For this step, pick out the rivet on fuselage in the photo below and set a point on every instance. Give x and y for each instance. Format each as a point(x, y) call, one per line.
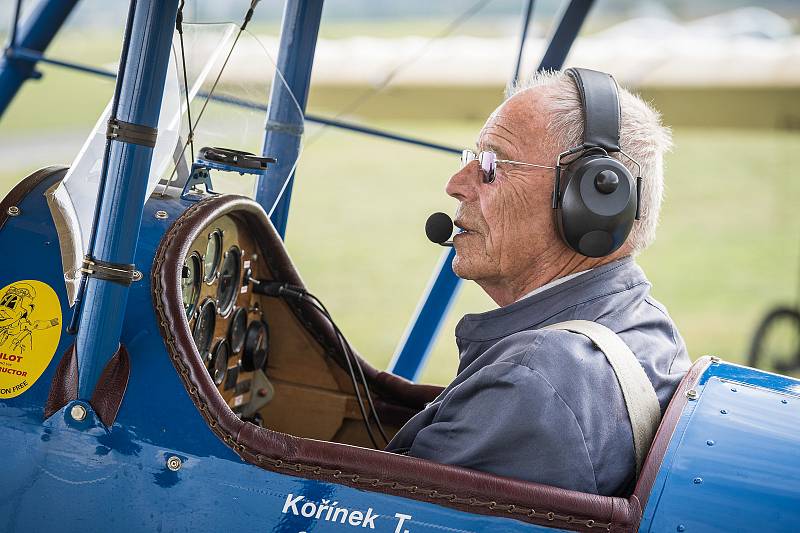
point(174, 463)
point(161, 215)
point(78, 412)
point(13, 211)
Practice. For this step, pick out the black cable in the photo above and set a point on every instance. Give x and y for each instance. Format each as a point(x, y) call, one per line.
point(279, 289)
point(313, 299)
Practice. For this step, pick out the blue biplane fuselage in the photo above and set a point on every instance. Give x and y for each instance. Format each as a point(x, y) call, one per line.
point(142, 440)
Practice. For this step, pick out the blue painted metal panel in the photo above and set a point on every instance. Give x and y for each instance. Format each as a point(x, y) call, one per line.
point(284, 128)
point(96, 480)
point(122, 197)
point(35, 34)
point(417, 342)
point(733, 463)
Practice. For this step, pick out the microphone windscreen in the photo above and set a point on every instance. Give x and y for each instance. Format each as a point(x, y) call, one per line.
point(439, 227)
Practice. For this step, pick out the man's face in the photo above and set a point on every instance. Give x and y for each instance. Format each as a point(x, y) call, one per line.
point(508, 223)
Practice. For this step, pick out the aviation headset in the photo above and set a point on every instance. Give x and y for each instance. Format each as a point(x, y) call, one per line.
point(595, 197)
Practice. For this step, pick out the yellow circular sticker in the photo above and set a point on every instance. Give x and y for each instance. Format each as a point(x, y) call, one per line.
point(30, 328)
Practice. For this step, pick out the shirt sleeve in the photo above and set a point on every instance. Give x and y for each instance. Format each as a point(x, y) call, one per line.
point(507, 419)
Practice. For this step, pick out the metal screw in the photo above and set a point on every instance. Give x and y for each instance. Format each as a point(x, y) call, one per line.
point(78, 412)
point(784, 401)
point(161, 215)
point(710, 442)
point(174, 463)
point(723, 411)
point(137, 275)
point(697, 480)
point(681, 527)
point(263, 392)
point(691, 394)
point(13, 211)
point(715, 359)
point(733, 389)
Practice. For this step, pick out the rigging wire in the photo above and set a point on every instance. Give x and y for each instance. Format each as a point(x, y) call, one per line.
point(15, 25)
point(179, 28)
point(247, 17)
point(369, 93)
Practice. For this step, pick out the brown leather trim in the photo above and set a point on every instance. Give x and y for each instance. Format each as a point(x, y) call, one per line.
point(64, 387)
point(664, 434)
point(24, 187)
point(460, 488)
point(110, 389)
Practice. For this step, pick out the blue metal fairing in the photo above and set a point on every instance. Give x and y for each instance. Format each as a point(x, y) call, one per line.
point(734, 460)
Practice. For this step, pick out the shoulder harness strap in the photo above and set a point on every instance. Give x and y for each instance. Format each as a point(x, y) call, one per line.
point(640, 397)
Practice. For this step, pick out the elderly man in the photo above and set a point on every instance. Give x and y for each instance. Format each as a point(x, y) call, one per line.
point(540, 404)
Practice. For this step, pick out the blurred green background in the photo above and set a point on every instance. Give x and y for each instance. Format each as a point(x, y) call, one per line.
point(727, 248)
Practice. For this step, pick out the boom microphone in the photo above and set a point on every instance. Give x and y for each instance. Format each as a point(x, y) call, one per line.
point(439, 228)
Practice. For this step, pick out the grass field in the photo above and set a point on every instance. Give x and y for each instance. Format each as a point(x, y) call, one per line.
point(728, 246)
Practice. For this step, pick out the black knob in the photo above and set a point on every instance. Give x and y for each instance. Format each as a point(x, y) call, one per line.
point(606, 181)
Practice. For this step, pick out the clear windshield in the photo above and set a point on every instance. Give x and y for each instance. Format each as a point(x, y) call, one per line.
point(229, 83)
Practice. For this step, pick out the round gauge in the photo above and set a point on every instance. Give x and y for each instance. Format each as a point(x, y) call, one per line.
point(229, 280)
point(190, 283)
point(238, 330)
point(204, 327)
point(256, 346)
point(218, 365)
point(212, 257)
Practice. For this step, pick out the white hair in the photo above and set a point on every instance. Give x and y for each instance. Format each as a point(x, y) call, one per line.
point(642, 136)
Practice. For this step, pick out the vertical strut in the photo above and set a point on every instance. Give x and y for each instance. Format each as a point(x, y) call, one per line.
point(122, 199)
point(284, 127)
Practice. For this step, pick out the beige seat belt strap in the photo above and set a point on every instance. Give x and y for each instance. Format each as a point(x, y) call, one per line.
point(640, 397)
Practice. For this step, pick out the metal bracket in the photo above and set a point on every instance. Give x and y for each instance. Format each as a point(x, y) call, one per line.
point(131, 133)
point(123, 274)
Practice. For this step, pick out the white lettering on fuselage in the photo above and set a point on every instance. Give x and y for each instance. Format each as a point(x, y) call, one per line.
point(332, 512)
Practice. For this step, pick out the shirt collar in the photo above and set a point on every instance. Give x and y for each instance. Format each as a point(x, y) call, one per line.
point(557, 281)
point(535, 309)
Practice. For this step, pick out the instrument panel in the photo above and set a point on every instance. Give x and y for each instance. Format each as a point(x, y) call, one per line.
point(270, 364)
point(228, 325)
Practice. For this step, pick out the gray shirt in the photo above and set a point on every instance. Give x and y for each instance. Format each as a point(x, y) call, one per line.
point(544, 405)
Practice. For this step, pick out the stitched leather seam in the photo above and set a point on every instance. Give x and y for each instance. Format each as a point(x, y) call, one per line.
point(300, 468)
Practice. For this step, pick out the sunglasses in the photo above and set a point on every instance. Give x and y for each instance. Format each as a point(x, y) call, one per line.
point(488, 162)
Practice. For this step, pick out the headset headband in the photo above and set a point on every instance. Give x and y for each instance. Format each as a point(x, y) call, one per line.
point(598, 92)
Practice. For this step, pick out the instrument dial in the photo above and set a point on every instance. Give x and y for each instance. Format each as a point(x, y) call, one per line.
point(238, 330)
point(218, 366)
point(256, 346)
point(213, 255)
point(204, 327)
point(190, 283)
point(229, 280)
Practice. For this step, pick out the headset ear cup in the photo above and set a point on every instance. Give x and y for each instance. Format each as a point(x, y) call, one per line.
point(597, 205)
